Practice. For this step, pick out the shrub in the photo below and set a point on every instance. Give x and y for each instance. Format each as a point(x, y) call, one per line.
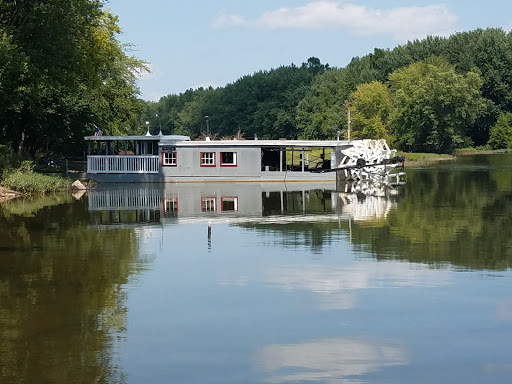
point(501, 132)
point(31, 182)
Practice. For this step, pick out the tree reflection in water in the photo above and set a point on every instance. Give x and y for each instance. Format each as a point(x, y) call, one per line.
point(61, 296)
point(458, 213)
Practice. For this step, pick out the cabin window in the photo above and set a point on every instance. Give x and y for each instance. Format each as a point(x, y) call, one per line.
point(228, 159)
point(208, 204)
point(169, 159)
point(229, 204)
point(207, 159)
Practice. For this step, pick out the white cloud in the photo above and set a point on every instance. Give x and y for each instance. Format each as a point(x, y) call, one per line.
point(402, 23)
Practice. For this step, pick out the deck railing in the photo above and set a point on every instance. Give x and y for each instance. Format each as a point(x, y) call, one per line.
point(123, 164)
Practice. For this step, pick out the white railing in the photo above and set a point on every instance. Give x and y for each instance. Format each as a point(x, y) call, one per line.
point(123, 164)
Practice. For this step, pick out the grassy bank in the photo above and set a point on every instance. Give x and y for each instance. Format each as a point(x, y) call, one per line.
point(412, 159)
point(477, 151)
point(34, 183)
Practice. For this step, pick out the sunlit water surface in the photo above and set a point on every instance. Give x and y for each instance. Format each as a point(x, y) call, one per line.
point(253, 284)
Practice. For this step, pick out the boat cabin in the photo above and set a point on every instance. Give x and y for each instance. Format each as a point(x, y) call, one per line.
point(174, 158)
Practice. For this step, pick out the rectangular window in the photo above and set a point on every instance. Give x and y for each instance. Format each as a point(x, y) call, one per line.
point(207, 159)
point(228, 159)
point(208, 204)
point(229, 204)
point(169, 159)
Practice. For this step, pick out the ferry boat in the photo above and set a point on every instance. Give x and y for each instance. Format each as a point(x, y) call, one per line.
point(174, 158)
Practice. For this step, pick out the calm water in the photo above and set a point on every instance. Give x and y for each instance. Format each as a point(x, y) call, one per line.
point(252, 284)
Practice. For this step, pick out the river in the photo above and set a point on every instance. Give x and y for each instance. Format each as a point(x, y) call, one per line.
point(249, 283)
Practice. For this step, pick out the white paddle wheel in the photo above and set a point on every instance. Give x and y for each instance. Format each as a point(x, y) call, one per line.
point(371, 160)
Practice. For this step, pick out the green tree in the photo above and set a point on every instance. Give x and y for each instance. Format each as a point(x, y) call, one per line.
point(262, 104)
point(433, 105)
point(62, 70)
point(501, 132)
point(320, 113)
point(370, 106)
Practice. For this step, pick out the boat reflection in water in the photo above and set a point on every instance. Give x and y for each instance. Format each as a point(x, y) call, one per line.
point(113, 205)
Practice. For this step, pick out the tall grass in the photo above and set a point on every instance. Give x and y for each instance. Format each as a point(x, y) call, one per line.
point(34, 183)
point(423, 157)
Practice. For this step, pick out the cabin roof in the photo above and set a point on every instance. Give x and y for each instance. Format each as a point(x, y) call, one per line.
point(138, 138)
point(184, 141)
point(263, 143)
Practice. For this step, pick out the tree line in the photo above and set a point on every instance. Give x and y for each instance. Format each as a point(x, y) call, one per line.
point(63, 72)
point(432, 95)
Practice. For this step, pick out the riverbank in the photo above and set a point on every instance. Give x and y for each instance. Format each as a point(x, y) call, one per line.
point(464, 152)
point(419, 159)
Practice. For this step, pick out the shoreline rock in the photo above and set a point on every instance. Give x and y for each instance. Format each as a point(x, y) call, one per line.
point(7, 194)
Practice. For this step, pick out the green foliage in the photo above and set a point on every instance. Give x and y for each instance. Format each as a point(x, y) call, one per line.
point(433, 105)
point(370, 106)
point(263, 105)
point(448, 93)
point(27, 166)
point(61, 71)
point(8, 159)
point(320, 114)
point(423, 158)
point(501, 132)
point(31, 182)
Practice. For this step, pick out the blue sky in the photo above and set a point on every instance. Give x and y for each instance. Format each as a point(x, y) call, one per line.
point(196, 43)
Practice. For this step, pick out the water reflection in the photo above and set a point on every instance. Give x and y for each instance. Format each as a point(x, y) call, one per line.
point(61, 295)
point(458, 214)
point(334, 360)
point(239, 203)
point(323, 285)
point(336, 288)
point(452, 214)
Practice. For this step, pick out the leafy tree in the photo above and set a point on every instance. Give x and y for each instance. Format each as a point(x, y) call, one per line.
point(501, 132)
point(320, 113)
point(370, 106)
point(433, 106)
point(190, 120)
point(62, 70)
point(489, 50)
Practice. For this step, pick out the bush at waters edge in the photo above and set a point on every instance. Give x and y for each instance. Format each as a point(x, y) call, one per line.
point(31, 182)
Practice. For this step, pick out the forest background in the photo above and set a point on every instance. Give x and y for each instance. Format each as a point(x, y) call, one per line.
point(64, 72)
